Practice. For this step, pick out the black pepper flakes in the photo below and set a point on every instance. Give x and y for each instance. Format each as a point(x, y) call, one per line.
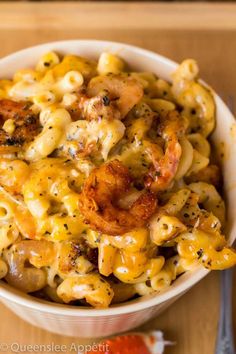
point(200, 253)
point(106, 100)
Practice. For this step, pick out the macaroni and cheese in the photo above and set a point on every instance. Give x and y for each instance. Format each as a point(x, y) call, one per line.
point(108, 188)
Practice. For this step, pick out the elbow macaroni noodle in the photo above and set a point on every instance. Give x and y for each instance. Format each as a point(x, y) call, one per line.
point(125, 149)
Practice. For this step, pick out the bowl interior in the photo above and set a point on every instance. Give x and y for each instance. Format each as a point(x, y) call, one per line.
point(224, 141)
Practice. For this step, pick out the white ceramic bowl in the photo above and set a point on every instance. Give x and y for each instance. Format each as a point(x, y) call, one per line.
point(86, 322)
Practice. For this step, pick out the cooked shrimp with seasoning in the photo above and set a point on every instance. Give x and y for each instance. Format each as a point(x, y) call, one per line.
point(163, 171)
point(108, 188)
point(100, 195)
point(19, 124)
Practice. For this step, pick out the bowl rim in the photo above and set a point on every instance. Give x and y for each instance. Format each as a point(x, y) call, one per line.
point(9, 293)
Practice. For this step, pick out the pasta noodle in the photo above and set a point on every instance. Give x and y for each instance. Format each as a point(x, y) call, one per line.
point(94, 289)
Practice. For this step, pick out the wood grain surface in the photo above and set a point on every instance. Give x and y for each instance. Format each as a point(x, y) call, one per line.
point(206, 32)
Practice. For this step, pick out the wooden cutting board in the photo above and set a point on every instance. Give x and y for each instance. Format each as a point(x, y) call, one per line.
point(203, 31)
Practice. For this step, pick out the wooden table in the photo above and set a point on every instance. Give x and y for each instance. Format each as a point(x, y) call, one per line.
point(206, 32)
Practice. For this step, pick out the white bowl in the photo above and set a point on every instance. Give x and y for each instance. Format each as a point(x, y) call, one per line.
point(86, 322)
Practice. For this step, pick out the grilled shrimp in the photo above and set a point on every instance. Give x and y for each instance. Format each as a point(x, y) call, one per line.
point(162, 172)
point(38, 254)
point(99, 107)
point(93, 108)
point(119, 90)
point(25, 124)
point(99, 197)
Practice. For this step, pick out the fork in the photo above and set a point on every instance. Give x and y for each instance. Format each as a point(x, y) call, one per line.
point(225, 338)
